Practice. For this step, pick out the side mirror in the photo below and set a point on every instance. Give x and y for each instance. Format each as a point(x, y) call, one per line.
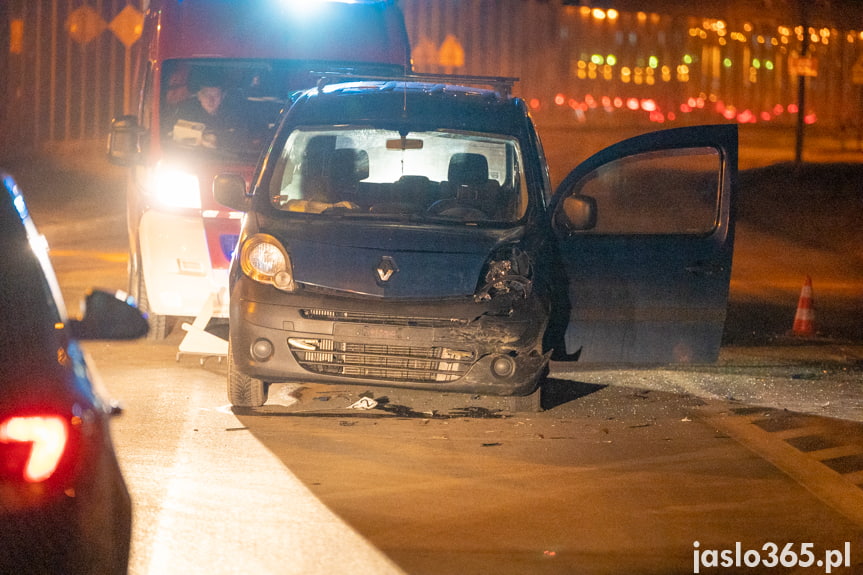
point(107, 316)
point(576, 213)
point(124, 141)
point(230, 190)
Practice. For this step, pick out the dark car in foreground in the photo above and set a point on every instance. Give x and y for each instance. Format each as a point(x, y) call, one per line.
point(64, 507)
point(404, 233)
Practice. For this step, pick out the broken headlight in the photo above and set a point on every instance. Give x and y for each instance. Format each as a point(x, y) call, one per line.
point(508, 272)
point(265, 260)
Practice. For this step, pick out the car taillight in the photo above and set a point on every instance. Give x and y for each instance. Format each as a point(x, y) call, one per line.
point(39, 442)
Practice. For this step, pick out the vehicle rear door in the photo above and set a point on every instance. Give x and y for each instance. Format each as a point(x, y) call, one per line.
point(645, 232)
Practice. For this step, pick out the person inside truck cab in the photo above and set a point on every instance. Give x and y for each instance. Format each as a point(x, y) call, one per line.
point(208, 118)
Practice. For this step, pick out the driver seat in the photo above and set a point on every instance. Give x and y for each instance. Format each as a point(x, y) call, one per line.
point(346, 168)
point(468, 184)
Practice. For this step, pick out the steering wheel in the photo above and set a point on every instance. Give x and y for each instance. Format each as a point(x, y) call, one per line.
point(450, 208)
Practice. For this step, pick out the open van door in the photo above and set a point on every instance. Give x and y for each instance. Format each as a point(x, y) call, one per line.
point(646, 233)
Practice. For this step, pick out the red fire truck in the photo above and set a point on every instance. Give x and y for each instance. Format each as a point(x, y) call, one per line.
point(247, 58)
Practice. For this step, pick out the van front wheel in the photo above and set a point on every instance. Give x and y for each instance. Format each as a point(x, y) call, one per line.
point(244, 391)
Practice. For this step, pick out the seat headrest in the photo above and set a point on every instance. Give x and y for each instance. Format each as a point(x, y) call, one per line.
point(468, 169)
point(349, 165)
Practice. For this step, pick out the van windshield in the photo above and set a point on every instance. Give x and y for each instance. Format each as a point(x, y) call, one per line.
point(225, 108)
point(446, 175)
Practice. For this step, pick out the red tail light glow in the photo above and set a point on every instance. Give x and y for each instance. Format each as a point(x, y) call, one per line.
point(48, 436)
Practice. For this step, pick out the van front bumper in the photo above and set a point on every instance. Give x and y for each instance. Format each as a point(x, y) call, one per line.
point(492, 348)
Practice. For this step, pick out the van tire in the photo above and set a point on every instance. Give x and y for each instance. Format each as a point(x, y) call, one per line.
point(244, 391)
point(159, 325)
point(530, 403)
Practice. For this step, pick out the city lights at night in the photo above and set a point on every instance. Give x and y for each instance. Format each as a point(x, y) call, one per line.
point(609, 66)
point(708, 61)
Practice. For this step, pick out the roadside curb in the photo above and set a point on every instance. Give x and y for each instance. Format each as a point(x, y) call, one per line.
point(788, 351)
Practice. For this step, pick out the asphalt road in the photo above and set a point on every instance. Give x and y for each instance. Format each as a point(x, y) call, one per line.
point(612, 477)
point(623, 471)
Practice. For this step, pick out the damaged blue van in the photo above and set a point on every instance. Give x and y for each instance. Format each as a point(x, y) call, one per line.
point(403, 232)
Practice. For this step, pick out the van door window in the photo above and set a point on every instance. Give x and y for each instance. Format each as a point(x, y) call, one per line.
point(657, 193)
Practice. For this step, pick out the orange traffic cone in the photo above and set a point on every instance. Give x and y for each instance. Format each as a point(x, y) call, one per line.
point(804, 319)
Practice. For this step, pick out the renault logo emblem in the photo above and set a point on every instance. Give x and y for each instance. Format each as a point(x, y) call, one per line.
point(386, 268)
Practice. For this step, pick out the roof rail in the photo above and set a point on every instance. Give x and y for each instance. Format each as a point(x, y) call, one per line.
point(500, 84)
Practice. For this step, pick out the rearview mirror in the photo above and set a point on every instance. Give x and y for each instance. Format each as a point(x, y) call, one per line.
point(405, 144)
point(230, 190)
point(124, 141)
point(576, 213)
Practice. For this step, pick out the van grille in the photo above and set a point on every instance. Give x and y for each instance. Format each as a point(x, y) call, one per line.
point(379, 361)
point(378, 318)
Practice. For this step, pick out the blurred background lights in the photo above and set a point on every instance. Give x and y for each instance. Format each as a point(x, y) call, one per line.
point(646, 66)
